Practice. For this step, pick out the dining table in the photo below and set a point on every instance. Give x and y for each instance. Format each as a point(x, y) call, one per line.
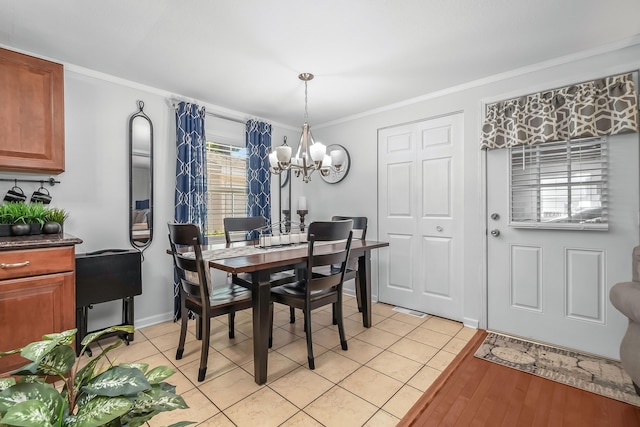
point(257, 265)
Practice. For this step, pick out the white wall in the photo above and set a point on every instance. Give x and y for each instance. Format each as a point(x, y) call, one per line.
point(357, 193)
point(94, 187)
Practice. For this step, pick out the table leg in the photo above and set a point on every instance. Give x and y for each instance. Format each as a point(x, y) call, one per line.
point(364, 282)
point(261, 295)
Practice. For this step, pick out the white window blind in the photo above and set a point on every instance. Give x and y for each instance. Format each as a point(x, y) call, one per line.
point(226, 185)
point(560, 185)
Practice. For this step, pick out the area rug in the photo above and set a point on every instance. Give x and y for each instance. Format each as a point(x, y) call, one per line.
point(587, 372)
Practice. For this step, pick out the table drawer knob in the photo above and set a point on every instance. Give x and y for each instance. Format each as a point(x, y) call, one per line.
point(15, 265)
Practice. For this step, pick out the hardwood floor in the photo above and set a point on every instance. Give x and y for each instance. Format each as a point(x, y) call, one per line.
point(474, 392)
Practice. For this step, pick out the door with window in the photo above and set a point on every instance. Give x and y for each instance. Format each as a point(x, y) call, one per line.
point(420, 214)
point(562, 221)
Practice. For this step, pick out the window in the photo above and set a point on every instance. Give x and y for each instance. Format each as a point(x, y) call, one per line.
point(560, 185)
point(226, 186)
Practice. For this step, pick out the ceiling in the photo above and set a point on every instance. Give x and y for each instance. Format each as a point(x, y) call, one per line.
point(245, 55)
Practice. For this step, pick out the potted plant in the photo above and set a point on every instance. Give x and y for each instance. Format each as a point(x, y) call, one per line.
point(15, 213)
point(5, 221)
point(54, 220)
point(120, 395)
point(35, 214)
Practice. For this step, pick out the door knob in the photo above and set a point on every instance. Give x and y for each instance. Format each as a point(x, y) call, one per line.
point(495, 216)
point(495, 232)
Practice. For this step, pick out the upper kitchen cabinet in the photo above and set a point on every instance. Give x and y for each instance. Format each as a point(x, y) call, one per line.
point(31, 114)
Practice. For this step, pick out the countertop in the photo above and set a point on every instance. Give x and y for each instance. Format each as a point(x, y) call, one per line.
point(37, 241)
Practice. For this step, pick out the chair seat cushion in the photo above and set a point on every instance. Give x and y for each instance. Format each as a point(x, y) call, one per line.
point(225, 295)
point(298, 289)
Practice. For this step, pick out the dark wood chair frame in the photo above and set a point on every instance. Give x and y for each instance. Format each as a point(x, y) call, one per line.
point(316, 290)
point(359, 223)
point(197, 297)
point(246, 224)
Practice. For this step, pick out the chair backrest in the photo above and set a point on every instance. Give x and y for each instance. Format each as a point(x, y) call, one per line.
point(359, 225)
point(327, 231)
point(191, 271)
point(237, 229)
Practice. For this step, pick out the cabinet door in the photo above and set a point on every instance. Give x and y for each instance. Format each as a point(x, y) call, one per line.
point(31, 113)
point(32, 307)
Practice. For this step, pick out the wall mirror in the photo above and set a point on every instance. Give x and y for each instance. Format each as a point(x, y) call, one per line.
point(140, 179)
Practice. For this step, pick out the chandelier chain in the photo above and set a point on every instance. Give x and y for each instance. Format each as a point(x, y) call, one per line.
point(306, 112)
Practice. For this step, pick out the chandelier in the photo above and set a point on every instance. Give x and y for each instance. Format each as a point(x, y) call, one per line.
point(311, 155)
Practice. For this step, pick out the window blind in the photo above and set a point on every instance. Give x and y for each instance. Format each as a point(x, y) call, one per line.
point(227, 184)
point(560, 185)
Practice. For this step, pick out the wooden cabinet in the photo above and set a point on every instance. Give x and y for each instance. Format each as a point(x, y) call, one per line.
point(37, 297)
point(31, 114)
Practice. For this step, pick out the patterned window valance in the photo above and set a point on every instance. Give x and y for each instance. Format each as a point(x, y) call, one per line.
point(601, 107)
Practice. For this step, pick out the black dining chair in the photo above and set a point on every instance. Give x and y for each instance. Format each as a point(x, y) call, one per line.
point(197, 293)
point(313, 290)
point(241, 229)
point(359, 232)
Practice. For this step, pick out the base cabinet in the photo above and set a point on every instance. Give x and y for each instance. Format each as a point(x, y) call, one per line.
point(41, 302)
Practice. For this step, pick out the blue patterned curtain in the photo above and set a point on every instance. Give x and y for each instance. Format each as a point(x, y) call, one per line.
point(191, 174)
point(258, 139)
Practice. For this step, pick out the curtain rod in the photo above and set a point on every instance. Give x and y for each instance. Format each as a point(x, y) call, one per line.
point(220, 116)
point(174, 103)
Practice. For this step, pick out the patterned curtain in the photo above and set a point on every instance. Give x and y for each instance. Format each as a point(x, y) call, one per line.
point(191, 177)
point(607, 106)
point(258, 139)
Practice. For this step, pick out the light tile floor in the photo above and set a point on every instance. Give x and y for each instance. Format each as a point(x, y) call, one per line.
point(374, 383)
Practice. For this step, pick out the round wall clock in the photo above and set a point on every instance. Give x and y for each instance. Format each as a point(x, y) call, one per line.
point(334, 176)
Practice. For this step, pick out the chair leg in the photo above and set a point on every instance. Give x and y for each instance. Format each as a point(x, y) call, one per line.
point(357, 288)
point(184, 318)
point(198, 327)
point(204, 354)
point(307, 328)
point(292, 315)
point(232, 317)
point(335, 316)
point(271, 325)
point(338, 308)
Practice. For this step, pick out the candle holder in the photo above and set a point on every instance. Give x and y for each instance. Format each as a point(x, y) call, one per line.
point(287, 220)
point(302, 213)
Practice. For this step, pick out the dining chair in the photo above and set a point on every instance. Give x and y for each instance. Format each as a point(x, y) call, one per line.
point(197, 293)
point(240, 229)
point(359, 232)
point(313, 290)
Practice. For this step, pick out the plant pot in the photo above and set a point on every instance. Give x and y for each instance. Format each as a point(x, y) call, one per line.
point(5, 230)
point(20, 229)
point(51, 228)
point(35, 228)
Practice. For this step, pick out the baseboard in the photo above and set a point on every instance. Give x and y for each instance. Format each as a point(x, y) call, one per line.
point(153, 320)
point(470, 323)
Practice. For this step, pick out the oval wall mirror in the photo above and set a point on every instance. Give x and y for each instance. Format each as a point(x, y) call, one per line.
point(140, 179)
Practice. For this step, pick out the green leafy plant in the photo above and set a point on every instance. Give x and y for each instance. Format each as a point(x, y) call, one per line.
point(13, 213)
point(56, 215)
point(120, 395)
point(35, 213)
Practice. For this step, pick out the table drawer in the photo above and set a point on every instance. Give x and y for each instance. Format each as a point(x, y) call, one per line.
point(35, 262)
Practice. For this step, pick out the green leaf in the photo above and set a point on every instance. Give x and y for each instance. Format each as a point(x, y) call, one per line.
point(101, 410)
point(118, 381)
point(158, 374)
point(94, 335)
point(182, 424)
point(64, 337)
point(57, 362)
point(53, 402)
point(87, 372)
point(30, 413)
point(10, 352)
point(5, 383)
point(142, 366)
point(37, 350)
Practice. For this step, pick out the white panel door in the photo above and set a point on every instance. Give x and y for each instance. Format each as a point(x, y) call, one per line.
point(553, 285)
point(420, 214)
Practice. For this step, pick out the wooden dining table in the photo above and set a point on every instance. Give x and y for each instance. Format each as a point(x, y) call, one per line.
point(260, 265)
